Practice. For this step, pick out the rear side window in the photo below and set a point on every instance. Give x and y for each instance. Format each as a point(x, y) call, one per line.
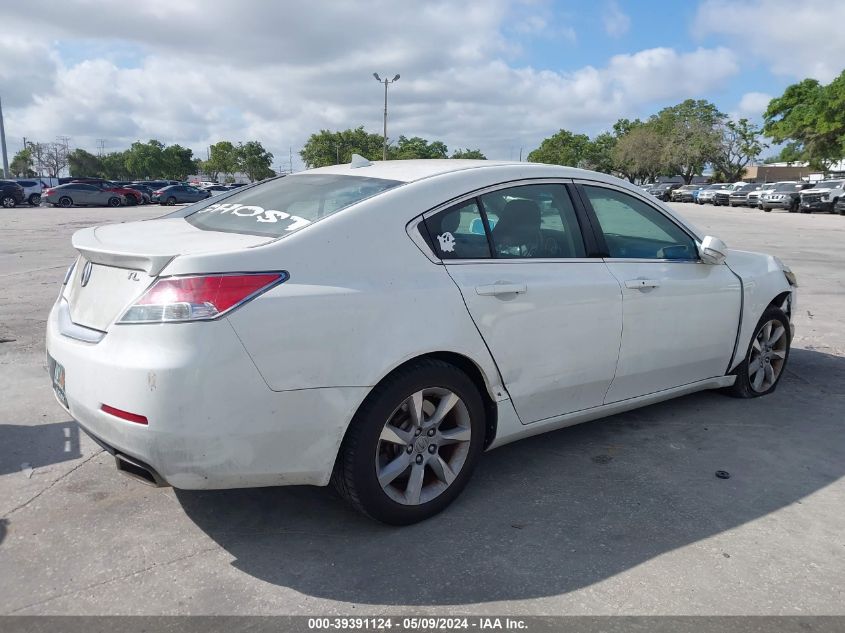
point(281, 206)
point(458, 232)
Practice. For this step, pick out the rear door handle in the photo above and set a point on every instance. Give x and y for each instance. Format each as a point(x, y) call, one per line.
point(500, 288)
point(642, 284)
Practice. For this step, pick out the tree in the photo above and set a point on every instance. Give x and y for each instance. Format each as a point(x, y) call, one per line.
point(417, 147)
point(563, 148)
point(50, 157)
point(813, 117)
point(600, 153)
point(690, 136)
point(145, 160)
point(792, 152)
point(82, 163)
point(22, 164)
point(639, 154)
point(222, 159)
point(330, 148)
point(740, 144)
point(255, 161)
point(474, 154)
point(113, 166)
point(177, 162)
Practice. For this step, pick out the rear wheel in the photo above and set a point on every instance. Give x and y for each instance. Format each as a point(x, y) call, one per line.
point(760, 371)
point(65, 202)
point(170, 201)
point(413, 444)
point(35, 199)
point(131, 201)
point(114, 202)
point(8, 202)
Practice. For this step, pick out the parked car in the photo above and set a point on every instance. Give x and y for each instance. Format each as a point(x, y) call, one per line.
point(11, 194)
point(179, 193)
point(784, 195)
point(823, 196)
point(82, 194)
point(145, 191)
point(216, 189)
point(131, 196)
point(684, 193)
point(739, 196)
point(705, 196)
point(663, 191)
point(753, 199)
point(32, 188)
point(264, 308)
point(155, 185)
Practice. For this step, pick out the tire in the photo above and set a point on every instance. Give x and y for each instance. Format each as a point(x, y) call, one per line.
point(65, 202)
point(832, 208)
point(35, 200)
point(364, 449)
point(746, 376)
point(170, 201)
point(766, 209)
point(8, 202)
point(130, 201)
point(114, 201)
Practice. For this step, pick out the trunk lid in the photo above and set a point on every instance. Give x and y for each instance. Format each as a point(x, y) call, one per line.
point(118, 262)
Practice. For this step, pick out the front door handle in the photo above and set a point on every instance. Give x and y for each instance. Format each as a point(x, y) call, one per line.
point(500, 288)
point(642, 284)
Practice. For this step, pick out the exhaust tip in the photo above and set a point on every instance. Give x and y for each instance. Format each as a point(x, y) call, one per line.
point(138, 470)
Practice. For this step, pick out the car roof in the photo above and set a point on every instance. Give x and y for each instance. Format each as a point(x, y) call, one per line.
point(413, 170)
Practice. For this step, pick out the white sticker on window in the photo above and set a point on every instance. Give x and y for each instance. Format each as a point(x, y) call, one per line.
point(447, 242)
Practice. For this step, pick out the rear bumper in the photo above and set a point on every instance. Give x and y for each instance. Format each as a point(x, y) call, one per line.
point(212, 420)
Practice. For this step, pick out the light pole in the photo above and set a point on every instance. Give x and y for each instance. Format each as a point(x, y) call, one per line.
point(3, 141)
point(385, 82)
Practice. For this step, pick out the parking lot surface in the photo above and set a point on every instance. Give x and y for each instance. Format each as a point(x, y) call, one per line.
point(617, 516)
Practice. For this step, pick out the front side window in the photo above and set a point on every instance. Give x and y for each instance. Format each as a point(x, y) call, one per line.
point(458, 232)
point(280, 206)
point(633, 229)
point(533, 221)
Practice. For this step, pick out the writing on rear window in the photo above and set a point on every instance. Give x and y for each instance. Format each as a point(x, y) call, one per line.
point(259, 214)
point(279, 207)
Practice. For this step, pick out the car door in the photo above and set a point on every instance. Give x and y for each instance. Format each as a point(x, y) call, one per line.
point(680, 315)
point(548, 309)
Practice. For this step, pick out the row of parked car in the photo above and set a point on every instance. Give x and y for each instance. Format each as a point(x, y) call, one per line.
point(793, 196)
point(101, 192)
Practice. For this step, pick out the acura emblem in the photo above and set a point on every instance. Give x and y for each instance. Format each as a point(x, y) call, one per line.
point(86, 274)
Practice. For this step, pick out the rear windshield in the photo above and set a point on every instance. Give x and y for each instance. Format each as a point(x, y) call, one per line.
point(280, 206)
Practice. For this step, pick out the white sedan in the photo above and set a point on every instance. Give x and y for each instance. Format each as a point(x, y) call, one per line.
point(381, 325)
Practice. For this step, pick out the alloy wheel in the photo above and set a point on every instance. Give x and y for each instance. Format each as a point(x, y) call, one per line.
point(767, 356)
point(8, 202)
point(423, 446)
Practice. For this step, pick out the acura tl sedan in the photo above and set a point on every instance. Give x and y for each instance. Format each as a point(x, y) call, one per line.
point(379, 326)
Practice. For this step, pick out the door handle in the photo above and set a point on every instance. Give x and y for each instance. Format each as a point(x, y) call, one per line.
point(500, 288)
point(642, 284)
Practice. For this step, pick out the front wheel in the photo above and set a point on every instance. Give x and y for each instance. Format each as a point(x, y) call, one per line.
point(413, 444)
point(8, 202)
point(760, 371)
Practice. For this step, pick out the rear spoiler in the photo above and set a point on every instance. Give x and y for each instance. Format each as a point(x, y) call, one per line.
point(93, 250)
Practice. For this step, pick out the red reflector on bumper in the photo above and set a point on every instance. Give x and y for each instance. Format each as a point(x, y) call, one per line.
point(124, 415)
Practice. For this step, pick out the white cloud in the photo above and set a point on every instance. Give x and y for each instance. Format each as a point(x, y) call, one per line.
point(616, 21)
point(282, 73)
point(753, 104)
point(797, 39)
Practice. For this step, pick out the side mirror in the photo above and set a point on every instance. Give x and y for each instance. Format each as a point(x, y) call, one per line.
point(712, 250)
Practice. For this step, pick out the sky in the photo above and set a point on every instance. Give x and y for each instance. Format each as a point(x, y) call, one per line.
point(497, 75)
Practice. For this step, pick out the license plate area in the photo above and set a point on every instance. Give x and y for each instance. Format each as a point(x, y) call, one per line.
point(57, 379)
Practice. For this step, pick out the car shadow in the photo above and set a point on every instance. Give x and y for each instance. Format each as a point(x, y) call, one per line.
point(37, 445)
point(557, 512)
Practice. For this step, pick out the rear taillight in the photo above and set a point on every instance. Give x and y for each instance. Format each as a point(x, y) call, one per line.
point(198, 298)
point(124, 415)
point(158, 193)
point(49, 192)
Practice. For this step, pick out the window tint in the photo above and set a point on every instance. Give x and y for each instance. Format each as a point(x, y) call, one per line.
point(458, 232)
point(634, 229)
point(282, 205)
point(533, 221)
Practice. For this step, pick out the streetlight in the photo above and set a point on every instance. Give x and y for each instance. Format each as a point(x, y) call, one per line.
point(385, 82)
